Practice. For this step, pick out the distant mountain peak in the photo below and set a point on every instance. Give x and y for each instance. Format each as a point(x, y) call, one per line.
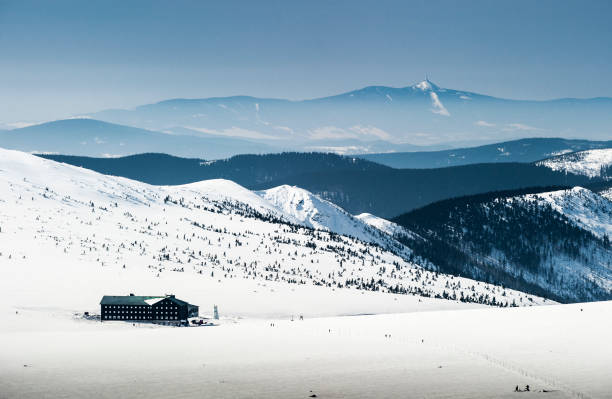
point(425, 85)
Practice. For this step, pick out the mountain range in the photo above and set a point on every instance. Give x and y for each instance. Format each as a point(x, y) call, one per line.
point(376, 118)
point(91, 137)
point(522, 150)
point(94, 138)
point(499, 248)
point(422, 117)
point(354, 184)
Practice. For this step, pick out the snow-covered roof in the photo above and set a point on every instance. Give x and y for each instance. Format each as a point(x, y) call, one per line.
point(153, 301)
point(135, 300)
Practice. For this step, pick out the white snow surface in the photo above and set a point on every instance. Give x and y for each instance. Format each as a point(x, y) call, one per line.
point(560, 351)
point(379, 223)
point(438, 107)
point(587, 163)
point(384, 225)
point(153, 301)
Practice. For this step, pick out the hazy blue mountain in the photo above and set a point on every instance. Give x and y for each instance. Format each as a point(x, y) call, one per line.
point(420, 114)
point(354, 184)
point(163, 169)
point(96, 138)
point(523, 150)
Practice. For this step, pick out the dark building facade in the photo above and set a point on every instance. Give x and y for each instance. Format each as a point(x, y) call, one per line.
point(146, 308)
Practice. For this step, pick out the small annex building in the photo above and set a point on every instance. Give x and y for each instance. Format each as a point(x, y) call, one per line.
point(146, 308)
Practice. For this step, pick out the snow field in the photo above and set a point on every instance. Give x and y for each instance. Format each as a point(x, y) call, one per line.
point(480, 353)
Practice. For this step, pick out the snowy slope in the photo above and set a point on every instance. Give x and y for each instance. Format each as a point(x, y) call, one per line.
point(384, 225)
point(313, 211)
point(379, 223)
point(194, 235)
point(589, 210)
point(227, 190)
point(589, 163)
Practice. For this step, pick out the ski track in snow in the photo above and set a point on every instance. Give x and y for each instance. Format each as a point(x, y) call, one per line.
point(519, 370)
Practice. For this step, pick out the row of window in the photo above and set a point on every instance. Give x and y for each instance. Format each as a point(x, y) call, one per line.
point(137, 311)
point(126, 313)
point(123, 317)
point(137, 307)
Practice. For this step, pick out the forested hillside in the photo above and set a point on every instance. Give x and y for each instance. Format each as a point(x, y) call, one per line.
point(516, 239)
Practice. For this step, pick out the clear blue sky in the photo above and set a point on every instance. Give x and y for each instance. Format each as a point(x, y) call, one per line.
point(69, 57)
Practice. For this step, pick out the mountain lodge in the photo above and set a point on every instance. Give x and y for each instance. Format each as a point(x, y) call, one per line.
point(146, 308)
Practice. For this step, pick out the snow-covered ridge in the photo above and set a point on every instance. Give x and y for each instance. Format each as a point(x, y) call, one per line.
point(227, 190)
point(589, 210)
point(588, 163)
point(311, 210)
point(384, 225)
point(379, 223)
point(198, 233)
